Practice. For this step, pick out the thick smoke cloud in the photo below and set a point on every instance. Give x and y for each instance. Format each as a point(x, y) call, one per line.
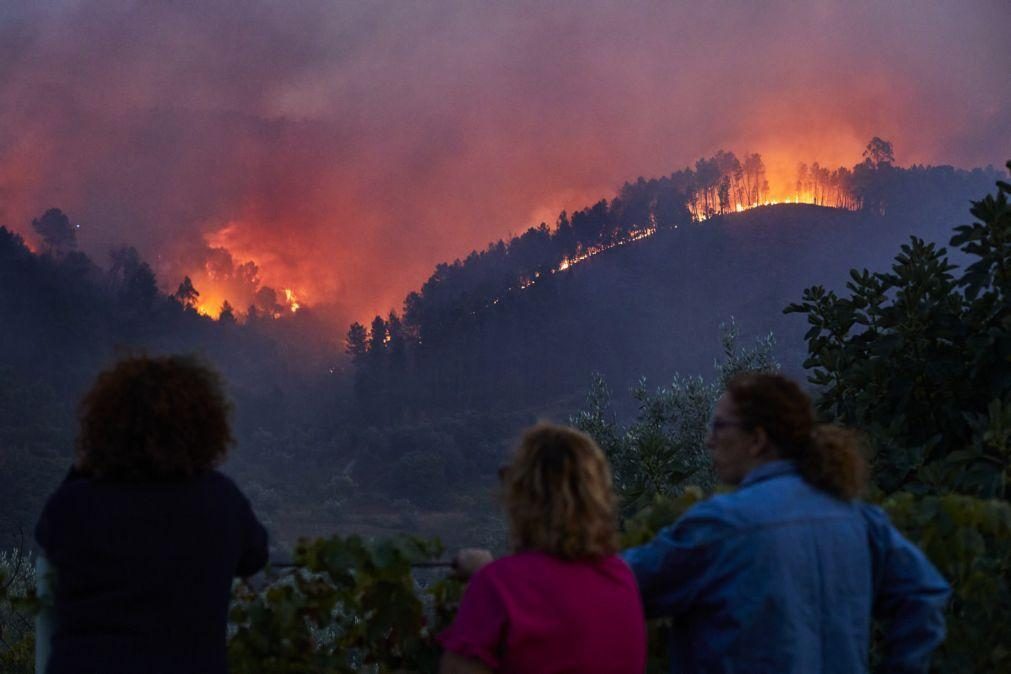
point(344, 148)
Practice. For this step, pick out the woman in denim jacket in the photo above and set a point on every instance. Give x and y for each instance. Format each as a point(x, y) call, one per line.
point(785, 574)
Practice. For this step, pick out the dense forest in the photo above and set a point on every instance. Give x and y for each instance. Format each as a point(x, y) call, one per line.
point(913, 354)
point(520, 321)
point(408, 438)
point(63, 318)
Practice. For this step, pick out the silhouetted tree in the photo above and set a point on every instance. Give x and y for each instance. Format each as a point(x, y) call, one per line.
point(133, 279)
point(803, 177)
point(227, 314)
point(879, 152)
point(754, 179)
point(187, 295)
point(377, 337)
point(355, 344)
point(266, 301)
point(58, 235)
point(723, 192)
point(730, 180)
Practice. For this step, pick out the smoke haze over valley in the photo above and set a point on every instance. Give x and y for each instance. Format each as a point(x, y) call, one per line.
point(400, 235)
point(370, 177)
point(345, 149)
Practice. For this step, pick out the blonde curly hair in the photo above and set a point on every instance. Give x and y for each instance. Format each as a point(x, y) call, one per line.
point(559, 496)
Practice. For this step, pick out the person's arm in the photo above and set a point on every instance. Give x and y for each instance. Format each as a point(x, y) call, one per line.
point(909, 597)
point(475, 641)
point(673, 568)
point(454, 663)
point(253, 553)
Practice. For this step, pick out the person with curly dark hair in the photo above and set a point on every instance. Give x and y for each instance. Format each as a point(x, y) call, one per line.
point(144, 536)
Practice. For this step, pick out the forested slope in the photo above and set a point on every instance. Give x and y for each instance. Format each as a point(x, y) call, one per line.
point(651, 306)
point(63, 318)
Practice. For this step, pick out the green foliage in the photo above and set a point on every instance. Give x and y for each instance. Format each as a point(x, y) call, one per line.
point(917, 357)
point(969, 540)
point(346, 606)
point(17, 608)
point(920, 358)
point(663, 448)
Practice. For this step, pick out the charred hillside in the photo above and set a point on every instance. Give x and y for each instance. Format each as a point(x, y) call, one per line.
point(651, 305)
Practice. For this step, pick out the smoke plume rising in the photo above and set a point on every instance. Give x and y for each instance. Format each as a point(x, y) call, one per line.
point(345, 148)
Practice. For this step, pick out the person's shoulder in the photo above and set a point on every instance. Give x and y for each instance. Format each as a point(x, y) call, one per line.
point(879, 524)
point(715, 516)
point(495, 576)
point(784, 498)
point(513, 563)
point(218, 480)
point(872, 513)
point(223, 487)
point(65, 506)
point(74, 487)
point(617, 566)
point(707, 522)
point(519, 565)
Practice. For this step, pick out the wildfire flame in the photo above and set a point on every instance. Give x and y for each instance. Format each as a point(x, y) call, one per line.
point(646, 232)
point(212, 301)
point(291, 300)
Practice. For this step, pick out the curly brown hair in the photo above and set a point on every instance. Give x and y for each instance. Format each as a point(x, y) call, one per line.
point(828, 456)
point(559, 497)
point(154, 418)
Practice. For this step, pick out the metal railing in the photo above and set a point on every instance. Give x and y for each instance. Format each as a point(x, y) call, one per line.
point(44, 618)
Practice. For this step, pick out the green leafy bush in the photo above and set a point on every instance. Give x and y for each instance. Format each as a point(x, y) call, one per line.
point(345, 606)
point(17, 611)
point(663, 450)
point(920, 359)
point(969, 540)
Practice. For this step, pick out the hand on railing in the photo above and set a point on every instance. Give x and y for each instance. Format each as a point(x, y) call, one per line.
point(469, 560)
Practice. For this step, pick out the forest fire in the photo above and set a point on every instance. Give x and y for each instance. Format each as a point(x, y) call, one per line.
point(291, 300)
point(718, 186)
point(220, 299)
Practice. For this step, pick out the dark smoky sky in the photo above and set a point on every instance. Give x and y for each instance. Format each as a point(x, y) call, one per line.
point(345, 148)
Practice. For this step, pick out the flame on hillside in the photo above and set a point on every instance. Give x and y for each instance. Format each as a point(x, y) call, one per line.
point(213, 302)
point(291, 300)
point(216, 296)
point(228, 278)
point(648, 231)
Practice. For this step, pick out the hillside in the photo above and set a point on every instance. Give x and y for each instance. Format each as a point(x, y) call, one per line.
point(484, 348)
point(651, 307)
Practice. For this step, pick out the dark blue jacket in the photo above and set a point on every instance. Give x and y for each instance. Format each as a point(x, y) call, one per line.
point(143, 572)
point(779, 577)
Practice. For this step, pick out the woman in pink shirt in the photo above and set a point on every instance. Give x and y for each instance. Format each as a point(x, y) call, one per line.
point(563, 601)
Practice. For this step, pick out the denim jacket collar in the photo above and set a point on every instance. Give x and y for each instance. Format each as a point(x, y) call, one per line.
point(769, 470)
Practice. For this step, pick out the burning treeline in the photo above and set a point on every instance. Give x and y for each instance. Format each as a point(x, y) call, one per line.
point(718, 185)
point(216, 291)
point(723, 184)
